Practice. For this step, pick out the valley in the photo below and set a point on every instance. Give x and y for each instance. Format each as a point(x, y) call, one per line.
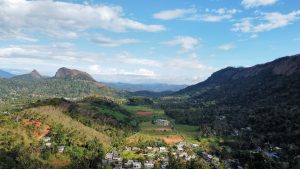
point(237, 118)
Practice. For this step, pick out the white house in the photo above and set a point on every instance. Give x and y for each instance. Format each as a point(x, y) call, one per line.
point(162, 122)
point(109, 156)
point(47, 139)
point(137, 165)
point(163, 149)
point(149, 165)
point(61, 149)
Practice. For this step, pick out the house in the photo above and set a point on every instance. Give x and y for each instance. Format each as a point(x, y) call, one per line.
point(60, 149)
point(48, 145)
point(155, 149)
point(109, 156)
point(188, 158)
point(127, 148)
point(149, 155)
point(180, 145)
point(207, 156)
point(149, 165)
point(183, 154)
point(195, 145)
point(149, 148)
point(115, 153)
point(117, 159)
point(163, 149)
point(137, 165)
point(47, 139)
point(128, 164)
point(135, 149)
point(162, 122)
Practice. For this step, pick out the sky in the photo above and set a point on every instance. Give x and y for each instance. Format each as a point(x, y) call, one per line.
point(142, 41)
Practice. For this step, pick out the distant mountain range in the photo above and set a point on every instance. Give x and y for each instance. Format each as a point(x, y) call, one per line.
point(155, 87)
point(5, 74)
point(69, 83)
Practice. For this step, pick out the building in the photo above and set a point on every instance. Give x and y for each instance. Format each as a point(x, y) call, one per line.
point(60, 149)
point(207, 156)
point(149, 165)
point(163, 149)
point(47, 139)
point(128, 164)
point(135, 149)
point(162, 122)
point(137, 165)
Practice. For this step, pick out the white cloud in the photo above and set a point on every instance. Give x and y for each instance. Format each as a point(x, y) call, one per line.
point(45, 53)
point(186, 43)
point(257, 3)
point(210, 15)
point(227, 47)
point(97, 70)
point(63, 19)
point(108, 42)
point(266, 22)
point(215, 15)
point(173, 14)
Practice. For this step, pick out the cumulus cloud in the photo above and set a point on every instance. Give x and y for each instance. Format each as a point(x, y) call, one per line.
point(54, 52)
point(257, 3)
point(215, 15)
point(97, 70)
point(108, 42)
point(186, 43)
point(173, 14)
point(209, 15)
point(266, 22)
point(227, 46)
point(63, 19)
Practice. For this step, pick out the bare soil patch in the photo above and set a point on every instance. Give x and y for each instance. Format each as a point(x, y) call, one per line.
point(144, 113)
point(172, 139)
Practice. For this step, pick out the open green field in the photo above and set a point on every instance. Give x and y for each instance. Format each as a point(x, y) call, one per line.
point(157, 113)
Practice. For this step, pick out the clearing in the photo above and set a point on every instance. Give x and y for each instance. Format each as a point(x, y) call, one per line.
point(144, 113)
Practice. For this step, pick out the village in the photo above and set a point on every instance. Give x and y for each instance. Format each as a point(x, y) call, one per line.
point(155, 156)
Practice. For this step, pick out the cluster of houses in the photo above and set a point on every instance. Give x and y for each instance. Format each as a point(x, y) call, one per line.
point(152, 155)
point(114, 158)
point(47, 144)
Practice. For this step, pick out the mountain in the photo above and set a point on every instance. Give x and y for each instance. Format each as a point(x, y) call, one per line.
point(156, 87)
point(66, 83)
point(5, 74)
point(284, 67)
point(265, 98)
point(65, 73)
point(34, 75)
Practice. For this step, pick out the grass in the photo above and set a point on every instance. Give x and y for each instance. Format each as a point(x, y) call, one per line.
point(117, 115)
point(55, 116)
point(130, 155)
point(188, 131)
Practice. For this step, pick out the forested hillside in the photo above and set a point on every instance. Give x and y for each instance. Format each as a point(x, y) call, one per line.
point(263, 100)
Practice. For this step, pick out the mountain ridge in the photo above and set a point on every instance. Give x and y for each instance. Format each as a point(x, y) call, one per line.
point(66, 73)
point(5, 74)
point(284, 66)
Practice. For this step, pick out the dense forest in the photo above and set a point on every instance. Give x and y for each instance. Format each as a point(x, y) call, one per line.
point(262, 101)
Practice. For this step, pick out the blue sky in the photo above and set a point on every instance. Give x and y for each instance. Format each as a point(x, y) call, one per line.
point(170, 41)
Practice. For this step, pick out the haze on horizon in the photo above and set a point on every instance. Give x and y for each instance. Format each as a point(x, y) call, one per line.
point(172, 41)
